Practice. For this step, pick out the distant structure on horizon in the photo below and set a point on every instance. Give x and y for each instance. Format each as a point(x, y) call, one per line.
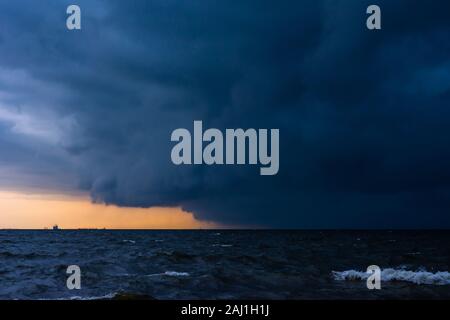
point(55, 227)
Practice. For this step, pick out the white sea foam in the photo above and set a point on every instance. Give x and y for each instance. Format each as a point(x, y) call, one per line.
point(103, 297)
point(130, 241)
point(389, 274)
point(106, 296)
point(170, 274)
point(176, 274)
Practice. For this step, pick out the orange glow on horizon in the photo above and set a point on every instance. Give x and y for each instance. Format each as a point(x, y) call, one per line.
point(24, 211)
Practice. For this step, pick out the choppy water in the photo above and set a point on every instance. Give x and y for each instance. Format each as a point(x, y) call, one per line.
point(210, 264)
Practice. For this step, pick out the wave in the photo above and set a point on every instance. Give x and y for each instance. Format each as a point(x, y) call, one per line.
point(176, 274)
point(170, 274)
point(390, 274)
point(167, 273)
point(104, 297)
point(121, 295)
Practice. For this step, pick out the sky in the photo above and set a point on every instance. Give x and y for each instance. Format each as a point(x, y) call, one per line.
point(40, 211)
point(86, 116)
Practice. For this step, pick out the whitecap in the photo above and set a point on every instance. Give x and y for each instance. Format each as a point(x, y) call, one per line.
point(176, 274)
point(106, 296)
point(170, 274)
point(390, 274)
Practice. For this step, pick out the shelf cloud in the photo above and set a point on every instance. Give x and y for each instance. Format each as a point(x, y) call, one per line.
point(364, 116)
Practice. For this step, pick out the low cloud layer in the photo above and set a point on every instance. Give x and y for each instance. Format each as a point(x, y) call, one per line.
point(364, 116)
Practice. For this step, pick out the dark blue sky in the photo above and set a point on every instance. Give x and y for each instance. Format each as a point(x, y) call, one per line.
point(364, 116)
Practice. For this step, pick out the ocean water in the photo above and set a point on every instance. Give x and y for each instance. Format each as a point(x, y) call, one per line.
point(225, 264)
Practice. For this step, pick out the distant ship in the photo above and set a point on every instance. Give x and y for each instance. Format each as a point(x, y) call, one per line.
point(55, 227)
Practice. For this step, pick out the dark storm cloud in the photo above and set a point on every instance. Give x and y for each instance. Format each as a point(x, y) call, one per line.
point(363, 116)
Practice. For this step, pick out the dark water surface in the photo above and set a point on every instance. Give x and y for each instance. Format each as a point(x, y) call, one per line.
point(209, 264)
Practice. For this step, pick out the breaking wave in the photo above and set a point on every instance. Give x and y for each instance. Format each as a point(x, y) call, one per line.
point(417, 277)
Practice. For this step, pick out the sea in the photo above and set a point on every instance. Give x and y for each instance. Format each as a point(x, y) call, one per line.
point(223, 264)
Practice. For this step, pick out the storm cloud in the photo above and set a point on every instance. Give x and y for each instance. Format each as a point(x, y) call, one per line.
point(364, 115)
